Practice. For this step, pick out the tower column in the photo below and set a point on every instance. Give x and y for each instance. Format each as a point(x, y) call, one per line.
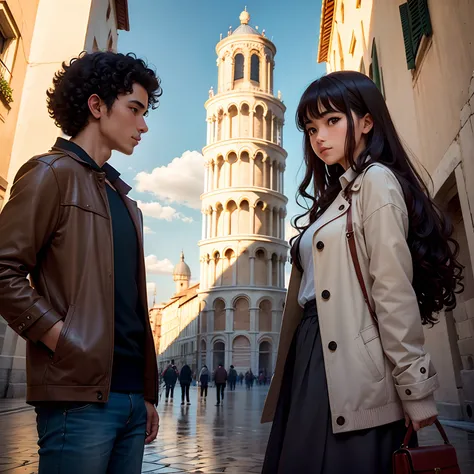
point(209, 224)
point(251, 114)
point(270, 223)
point(252, 219)
point(252, 171)
point(252, 270)
point(278, 282)
point(213, 224)
point(229, 320)
point(253, 320)
point(271, 176)
point(269, 271)
point(215, 172)
point(265, 171)
point(264, 73)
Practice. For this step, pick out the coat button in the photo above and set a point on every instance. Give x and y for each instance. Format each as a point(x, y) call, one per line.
point(28, 318)
point(21, 326)
point(423, 370)
point(320, 245)
point(342, 207)
point(408, 391)
point(325, 295)
point(332, 346)
point(340, 420)
point(99, 396)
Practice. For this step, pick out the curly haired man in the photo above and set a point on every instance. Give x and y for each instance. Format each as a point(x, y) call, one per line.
point(70, 226)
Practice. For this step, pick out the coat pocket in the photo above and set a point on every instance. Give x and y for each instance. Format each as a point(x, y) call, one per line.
point(63, 334)
point(370, 348)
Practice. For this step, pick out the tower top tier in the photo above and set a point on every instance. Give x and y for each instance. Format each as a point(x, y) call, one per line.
point(245, 59)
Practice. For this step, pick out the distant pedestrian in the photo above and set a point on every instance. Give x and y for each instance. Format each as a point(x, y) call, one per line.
point(170, 376)
point(204, 381)
point(220, 379)
point(241, 378)
point(232, 377)
point(249, 379)
point(185, 379)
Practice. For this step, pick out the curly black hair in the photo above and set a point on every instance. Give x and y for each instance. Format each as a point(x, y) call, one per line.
point(106, 74)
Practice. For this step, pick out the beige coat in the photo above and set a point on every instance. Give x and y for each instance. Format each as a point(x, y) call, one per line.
point(374, 373)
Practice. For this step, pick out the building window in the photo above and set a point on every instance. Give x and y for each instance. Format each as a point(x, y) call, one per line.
point(362, 66)
point(3, 43)
point(238, 67)
point(109, 11)
point(353, 44)
point(255, 68)
point(110, 43)
point(416, 24)
point(358, 3)
point(9, 35)
point(342, 12)
point(375, 71)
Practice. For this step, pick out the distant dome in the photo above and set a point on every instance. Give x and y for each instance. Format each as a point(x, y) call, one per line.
point(181, 270)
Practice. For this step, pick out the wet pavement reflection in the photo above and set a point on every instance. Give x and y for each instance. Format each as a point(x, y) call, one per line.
point(200, 438)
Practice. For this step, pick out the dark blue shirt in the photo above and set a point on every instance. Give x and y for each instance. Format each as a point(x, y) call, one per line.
point(129, 334)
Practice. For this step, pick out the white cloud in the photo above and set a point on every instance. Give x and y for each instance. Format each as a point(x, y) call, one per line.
point(147, 230)
point(181, 181)
point(150, 288)
point(157, 211)
point(158, 267)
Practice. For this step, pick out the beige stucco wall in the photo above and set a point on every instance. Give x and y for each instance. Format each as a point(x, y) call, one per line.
point(24, 15)
point(76, 23)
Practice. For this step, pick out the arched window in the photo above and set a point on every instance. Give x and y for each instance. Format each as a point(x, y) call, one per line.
point(238, 67)
point(241, 353)
point(265, 316)
point(255, 68)
point(265, 358)
point(218, 354)
point(219, 315)
point(241, 315)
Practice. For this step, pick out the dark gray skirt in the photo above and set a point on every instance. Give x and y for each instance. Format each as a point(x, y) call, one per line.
point(301, 440)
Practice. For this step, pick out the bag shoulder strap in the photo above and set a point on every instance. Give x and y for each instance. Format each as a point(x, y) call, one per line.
point(355, 260)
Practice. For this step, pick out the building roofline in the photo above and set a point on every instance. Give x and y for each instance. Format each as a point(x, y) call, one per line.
point(123, 21)
point(325, 29)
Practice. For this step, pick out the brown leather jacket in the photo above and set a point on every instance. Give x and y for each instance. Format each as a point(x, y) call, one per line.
point(57, 228)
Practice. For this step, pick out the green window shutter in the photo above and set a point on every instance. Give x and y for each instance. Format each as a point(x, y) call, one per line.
point(425, 17)
point(375, 67)
point(416, 24)
point(407, 37)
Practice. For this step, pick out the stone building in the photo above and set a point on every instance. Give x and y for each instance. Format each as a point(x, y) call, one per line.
point(178, 319)
point(30, 54)
point(243, 249)
point(420, 55)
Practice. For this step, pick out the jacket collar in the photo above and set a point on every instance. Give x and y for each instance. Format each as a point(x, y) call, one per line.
point(79, 154)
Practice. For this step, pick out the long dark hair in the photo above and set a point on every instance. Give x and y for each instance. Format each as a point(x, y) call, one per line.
point(437, 274)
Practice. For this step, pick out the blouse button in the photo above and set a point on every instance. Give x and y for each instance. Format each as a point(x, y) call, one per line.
point(408, 391)
point(332, 346)
point(320, 245)
point(340, 420)
point(423, 370)
point(342, 207)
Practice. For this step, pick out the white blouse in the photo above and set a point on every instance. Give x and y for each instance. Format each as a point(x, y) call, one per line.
point(307, 291)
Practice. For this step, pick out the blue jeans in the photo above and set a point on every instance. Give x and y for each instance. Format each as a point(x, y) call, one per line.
point(94, 438)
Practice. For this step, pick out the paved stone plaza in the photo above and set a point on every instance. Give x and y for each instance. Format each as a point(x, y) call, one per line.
point(201, 438)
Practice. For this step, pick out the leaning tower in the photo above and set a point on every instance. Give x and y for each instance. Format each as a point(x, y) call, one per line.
point(243, 249)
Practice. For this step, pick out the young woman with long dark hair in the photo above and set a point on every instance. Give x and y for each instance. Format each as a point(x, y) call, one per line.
point(351, 371)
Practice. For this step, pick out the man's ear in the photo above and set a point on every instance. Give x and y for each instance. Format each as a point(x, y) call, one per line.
point(95, 106)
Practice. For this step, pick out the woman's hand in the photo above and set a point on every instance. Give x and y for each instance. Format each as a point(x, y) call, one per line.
point(417, 425)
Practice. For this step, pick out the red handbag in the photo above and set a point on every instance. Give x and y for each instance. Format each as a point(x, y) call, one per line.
point(440, 459)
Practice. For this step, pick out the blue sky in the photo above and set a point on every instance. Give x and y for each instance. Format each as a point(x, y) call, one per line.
point(178, 39)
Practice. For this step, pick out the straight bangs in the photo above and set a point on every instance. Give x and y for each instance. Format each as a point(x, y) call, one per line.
point(321, 96)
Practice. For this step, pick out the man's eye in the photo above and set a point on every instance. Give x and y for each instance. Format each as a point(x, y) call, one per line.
point(134, 110)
